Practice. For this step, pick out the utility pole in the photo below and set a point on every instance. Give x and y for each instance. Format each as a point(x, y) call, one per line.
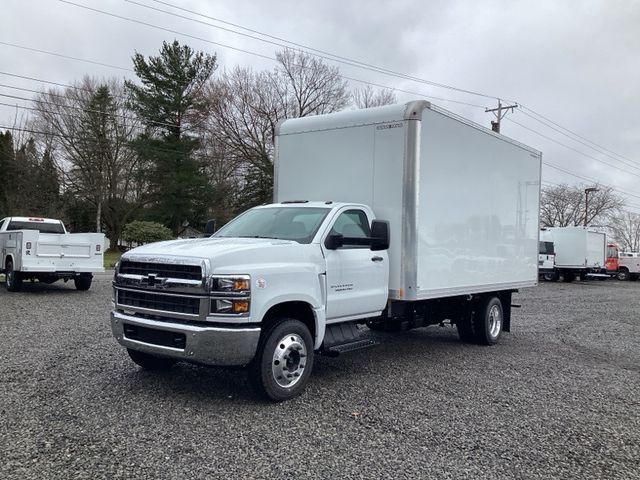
point(587, 191)
point(495, 126)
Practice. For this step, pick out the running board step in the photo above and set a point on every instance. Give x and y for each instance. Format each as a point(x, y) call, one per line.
point(344, 337)
point(349, 347)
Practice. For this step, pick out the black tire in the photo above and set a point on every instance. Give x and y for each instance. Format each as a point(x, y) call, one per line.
point(623, 275)
point(568, 277)
point(291, 341)
point(488, 321)
point(465, 329)
point(13, 278)
point(550, 277)
point(83, 282)
point(150, 362)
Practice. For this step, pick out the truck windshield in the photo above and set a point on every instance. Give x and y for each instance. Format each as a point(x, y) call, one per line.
point(39, 226)
point(546, 248)
point(285, 223)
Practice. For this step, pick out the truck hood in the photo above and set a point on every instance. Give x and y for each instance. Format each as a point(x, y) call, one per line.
point(205, 248)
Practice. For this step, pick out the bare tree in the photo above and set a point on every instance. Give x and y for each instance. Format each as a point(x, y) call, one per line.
point(246, 107)
point(564, 205)
point(367, 97)
point(308, 86)
point(625, 227)
point(89, 128)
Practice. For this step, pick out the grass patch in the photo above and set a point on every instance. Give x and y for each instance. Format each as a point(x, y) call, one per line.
point(111, 257)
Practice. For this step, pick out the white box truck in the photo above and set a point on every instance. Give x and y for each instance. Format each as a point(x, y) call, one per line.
point(398, 217)
point(42, 249)
point(580, 252)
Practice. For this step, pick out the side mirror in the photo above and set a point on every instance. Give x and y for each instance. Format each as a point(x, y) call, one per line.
point(333, 242)
point(380, 235)
point(210, 228)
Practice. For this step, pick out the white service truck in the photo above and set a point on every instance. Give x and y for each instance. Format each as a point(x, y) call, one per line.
point(398, 217)
point(42, 249)
point(628, 265)
point(579, 252)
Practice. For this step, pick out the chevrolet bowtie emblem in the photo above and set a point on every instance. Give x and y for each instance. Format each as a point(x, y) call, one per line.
point(152, 280)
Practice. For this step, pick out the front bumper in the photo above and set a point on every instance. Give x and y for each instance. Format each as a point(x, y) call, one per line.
point(203, 344)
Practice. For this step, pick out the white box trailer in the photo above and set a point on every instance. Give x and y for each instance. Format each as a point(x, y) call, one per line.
point(462, 201)
point(579, 251)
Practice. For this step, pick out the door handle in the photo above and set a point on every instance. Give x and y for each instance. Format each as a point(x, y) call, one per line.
point(376, 259)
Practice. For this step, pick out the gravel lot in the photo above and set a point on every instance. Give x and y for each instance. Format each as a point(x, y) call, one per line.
point(559, 397)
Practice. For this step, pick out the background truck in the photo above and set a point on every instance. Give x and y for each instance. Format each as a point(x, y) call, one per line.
point(628, 265)
point(546, 260)
point(580, 252)
point(41, 248)
point(612, 262)
point(417, 217)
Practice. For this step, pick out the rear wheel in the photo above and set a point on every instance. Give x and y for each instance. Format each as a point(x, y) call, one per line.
point(150, 362)
point(13, 278)
point(488, 322)
point(568, 277)
point(83, 282)
point(283, 362)
point(550, 277)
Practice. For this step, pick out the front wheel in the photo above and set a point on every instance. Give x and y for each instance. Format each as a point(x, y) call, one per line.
point(284, 360)
point(623, 275)
point(13, 278)
point(550, 277)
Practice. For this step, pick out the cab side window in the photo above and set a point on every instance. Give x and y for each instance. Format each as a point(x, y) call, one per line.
point(352, 224)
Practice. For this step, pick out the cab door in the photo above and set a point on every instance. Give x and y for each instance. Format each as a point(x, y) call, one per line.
point(357, 278)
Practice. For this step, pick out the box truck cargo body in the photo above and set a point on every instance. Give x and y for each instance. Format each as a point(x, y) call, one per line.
point(579, 251)
point(462, 202)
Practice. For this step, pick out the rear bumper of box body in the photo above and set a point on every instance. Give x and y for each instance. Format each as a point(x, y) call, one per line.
point(220, 346)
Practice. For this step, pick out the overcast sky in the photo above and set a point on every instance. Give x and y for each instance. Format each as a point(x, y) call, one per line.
point(575, 62)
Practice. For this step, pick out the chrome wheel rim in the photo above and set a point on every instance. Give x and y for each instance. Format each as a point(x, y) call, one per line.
point(495, 321)
point(289, 360)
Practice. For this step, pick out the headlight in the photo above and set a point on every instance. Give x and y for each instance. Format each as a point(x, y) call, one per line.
point(231, 294)
point(237, 307)
point(238, 284)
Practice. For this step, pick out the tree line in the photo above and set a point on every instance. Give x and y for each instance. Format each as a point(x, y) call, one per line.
point(186, 142)
point(181, 144)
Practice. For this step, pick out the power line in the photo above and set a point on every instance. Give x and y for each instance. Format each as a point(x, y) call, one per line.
point(318, 53)
point(83, 109)
point(573, 149)
point(574, 133)
point(72, 137)
point(64, 56)
point(591, 180)
point(249, 52)
point(585, 143)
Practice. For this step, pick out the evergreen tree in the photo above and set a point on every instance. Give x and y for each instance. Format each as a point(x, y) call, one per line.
point(169, 102)
point(47, 192)
point(6, 164)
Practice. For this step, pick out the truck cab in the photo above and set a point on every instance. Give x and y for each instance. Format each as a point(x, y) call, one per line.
point(209, 300)
point(611, 262)
point(546, 260)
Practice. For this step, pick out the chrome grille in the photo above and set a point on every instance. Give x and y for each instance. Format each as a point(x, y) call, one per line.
point(166, 270)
